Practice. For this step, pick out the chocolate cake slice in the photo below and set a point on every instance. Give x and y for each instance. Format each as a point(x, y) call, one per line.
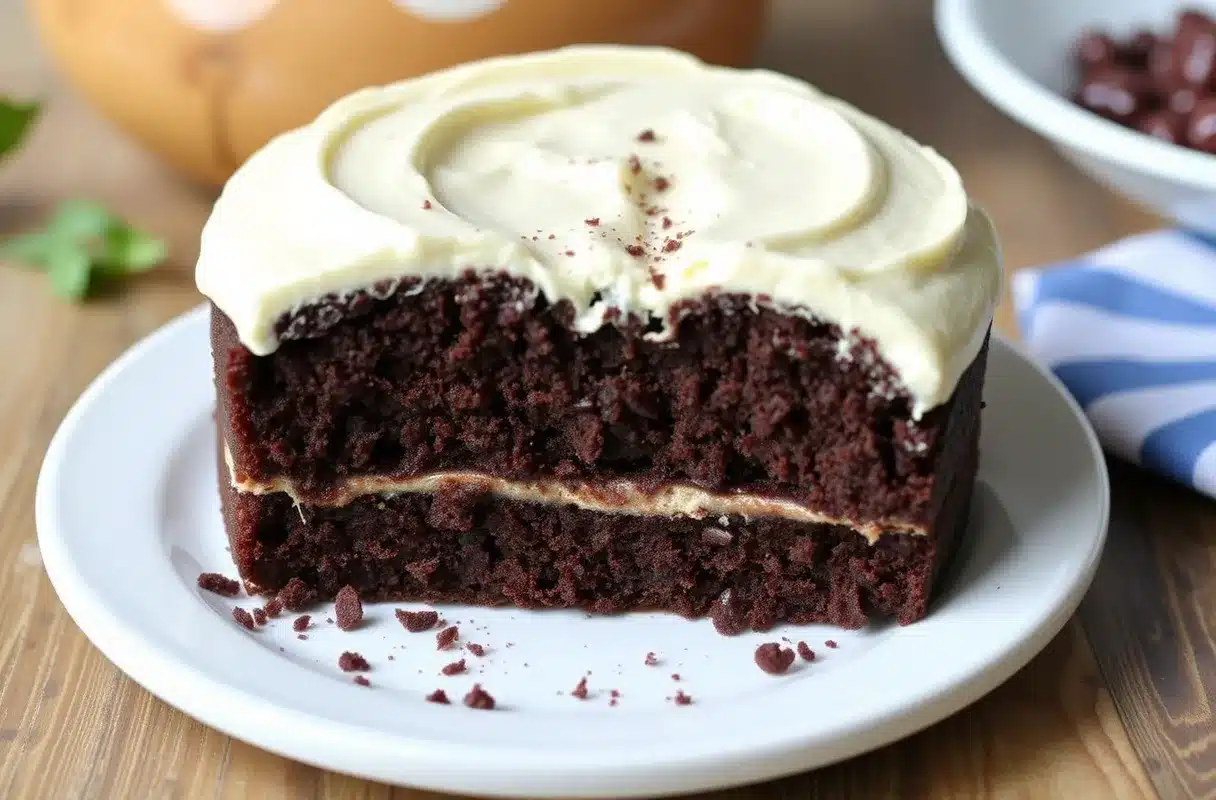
point(604, 328)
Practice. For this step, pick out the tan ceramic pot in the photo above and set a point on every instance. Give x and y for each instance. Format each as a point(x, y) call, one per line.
point(204, 83)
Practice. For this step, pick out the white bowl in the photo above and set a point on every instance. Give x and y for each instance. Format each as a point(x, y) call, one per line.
point(1017, 53)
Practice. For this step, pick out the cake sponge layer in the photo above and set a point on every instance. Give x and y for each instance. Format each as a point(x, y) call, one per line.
point(482, 375)
point(466, 546)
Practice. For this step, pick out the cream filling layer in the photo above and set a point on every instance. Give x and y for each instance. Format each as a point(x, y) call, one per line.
point(610, 497)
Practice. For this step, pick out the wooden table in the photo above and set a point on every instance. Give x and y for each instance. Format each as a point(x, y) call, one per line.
point(1119, 705)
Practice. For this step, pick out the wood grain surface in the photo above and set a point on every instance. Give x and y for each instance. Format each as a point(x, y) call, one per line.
point(1118, 706)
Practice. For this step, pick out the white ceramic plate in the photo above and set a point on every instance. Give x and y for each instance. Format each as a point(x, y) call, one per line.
point(128, 516)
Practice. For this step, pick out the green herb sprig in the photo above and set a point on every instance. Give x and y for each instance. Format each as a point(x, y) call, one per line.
point(83, 242)
point(15, 121)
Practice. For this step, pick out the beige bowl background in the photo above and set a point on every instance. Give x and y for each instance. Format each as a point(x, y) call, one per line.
point(204, 83)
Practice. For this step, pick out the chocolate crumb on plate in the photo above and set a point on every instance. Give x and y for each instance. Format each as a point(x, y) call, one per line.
point(831, 643)
point(651, 660)
point(773, 658)
point(646, 136)
point(446, 637)
point(301, 623)
point(219, 584)
point(479, 698)
point(362, 681)
point(243, 618)
point(417, 621)
point(296, 595)
point(455, 668)
point(682, 699)
point(273, 607)
point(353, 662)
point(302, 636)
point(580, 691)
point(348, 608)
point(675, 676)
point(438, 696)
point(259, 616)
point(475, 649)
point(806, 652)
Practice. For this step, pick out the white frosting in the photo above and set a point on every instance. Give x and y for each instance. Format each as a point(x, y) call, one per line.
point(772, 188)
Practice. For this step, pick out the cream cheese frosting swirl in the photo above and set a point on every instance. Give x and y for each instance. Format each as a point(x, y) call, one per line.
point(616, 178)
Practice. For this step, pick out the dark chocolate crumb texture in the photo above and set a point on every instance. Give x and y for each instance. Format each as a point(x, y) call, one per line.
point(699, 391)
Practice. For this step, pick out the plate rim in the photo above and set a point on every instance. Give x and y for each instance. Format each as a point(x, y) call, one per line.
point(155, 669)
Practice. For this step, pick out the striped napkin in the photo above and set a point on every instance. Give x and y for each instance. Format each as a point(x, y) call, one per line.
point(1131, 331)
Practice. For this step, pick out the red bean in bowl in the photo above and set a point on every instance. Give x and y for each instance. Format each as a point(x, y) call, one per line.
point(1161, 85)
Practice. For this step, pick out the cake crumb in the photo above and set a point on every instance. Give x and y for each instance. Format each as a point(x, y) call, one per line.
point(646, 136)
point(273, 607)
point(296, 595)
point(243, 618)
point(682, 699)
point(259, 617)
point(219, 584)
point(580, 691)
point(426, 205)
point(455, 668)
point(773, 658)
point(806, 652)
point(438, 696)
point(479, 698)
point(667, 223)
point(348, 608)
point(301, 623)
point(675, 676)
point(302, 636)
point(446, 637)
point(724, 617)
point(652, 660)
point(353, 662)
point(475, 649)
point(593, 222)
point(417, 621)
point(661, 184)
point(362, 681)
point(635, 250)
point(831, 643)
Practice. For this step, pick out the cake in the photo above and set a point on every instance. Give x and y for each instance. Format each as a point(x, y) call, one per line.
point(603, 328)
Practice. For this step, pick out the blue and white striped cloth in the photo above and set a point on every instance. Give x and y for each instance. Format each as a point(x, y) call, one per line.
point(1131, 331)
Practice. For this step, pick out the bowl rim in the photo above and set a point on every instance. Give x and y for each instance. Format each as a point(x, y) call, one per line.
point(1027, 101)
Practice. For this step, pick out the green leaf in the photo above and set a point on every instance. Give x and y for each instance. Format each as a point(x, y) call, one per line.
point(81, 241)
point(80, 220)
point(69, 268)
point(15, 121)
point(30, 250)
point(127, 250)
